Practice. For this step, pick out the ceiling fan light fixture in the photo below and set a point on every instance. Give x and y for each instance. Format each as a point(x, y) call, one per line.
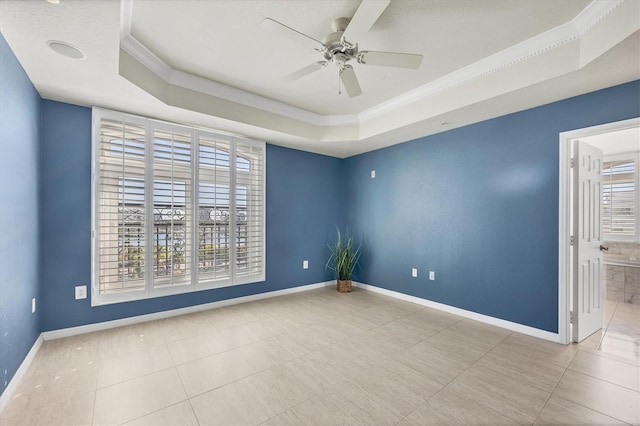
point(66, 49)
point(54, 1)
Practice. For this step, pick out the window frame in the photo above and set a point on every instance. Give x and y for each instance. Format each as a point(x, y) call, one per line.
point(152, 285)
point(628, 156)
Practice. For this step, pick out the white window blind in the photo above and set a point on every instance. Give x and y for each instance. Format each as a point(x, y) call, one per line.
point(176, 209)
point(120, 209)
point(620, 199)
point(250, 190)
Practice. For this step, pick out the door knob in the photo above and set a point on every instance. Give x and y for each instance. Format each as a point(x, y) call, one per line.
point(603, 248)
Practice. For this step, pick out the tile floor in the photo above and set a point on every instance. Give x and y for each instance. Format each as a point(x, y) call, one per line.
point(320, 357)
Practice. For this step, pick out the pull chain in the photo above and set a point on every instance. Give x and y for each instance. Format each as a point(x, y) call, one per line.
point(339, 87)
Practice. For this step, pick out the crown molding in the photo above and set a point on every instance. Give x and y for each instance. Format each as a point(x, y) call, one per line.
point(568, 32)
point(185, 80)
point(593, 14)
point(561, 35)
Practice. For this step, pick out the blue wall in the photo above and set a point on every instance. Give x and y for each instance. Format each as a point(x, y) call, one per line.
point(19, 225)
point(302, 212)
point(478, 205)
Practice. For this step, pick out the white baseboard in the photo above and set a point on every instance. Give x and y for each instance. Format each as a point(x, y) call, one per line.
point(73, 331)
point(513, 326)
point(20, 372)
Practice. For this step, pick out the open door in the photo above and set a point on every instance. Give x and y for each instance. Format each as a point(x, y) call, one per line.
point(587, 260)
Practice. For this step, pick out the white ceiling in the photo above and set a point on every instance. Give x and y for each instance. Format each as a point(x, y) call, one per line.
point(210, 63)
point(233, 49)
point(618, 142)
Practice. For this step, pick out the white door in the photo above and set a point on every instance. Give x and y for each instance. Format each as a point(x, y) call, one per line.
point(587, 274)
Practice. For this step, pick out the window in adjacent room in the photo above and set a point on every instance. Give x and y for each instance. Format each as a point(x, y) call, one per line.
point(175, 209)
point(621, 198)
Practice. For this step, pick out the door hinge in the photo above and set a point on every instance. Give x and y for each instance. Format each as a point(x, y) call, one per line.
point(571, 242)
point(571, 317)
point(573, 163)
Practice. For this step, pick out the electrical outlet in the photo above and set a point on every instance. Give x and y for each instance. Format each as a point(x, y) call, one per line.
point(33, 305)
point(305, 264)
point(414, 272)
point(81, 292)
point(432, 275)
point(373, 174)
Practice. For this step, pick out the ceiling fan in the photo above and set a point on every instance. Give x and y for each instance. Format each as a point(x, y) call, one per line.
point(340, 46)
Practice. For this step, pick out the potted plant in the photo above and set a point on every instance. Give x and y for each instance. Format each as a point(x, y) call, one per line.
point(343, 260)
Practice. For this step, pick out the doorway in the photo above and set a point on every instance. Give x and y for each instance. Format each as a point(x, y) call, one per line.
point(566, 205)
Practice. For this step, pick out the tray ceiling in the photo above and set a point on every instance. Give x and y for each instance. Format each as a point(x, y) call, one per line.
point(210, 63)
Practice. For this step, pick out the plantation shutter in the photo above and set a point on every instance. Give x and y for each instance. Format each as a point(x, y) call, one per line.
point(121, 217)
point(175, 209)
point(214, 224)
point(171, 207)
point(249, 209)
point(619, 198)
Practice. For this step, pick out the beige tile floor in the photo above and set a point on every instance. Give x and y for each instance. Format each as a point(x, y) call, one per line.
point(320, 357)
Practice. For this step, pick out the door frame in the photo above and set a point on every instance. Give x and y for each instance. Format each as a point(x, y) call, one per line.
point(565, 201)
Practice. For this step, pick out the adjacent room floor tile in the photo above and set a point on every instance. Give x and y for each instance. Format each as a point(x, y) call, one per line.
point(560, 411)
point(610, 370)
point(613, 400)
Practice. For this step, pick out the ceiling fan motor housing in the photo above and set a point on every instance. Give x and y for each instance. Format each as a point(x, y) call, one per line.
point(334, 43)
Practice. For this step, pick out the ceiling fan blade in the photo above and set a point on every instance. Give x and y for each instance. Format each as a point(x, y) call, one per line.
point(390, 59)
point(291, 34)
point(350, 81)
point(302, 72)
point(367, 14)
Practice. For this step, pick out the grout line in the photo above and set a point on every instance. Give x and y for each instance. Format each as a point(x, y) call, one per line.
point(470, 367)
point(186, 394)
point(590, 409)
point(136, 377)
point(95, 388)
point(582, 405)
point(604, 380)
point(465, 370)
point(555, 387)
point(606, 329)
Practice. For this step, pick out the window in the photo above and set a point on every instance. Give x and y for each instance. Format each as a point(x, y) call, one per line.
point(620, 198)
point(175, 209)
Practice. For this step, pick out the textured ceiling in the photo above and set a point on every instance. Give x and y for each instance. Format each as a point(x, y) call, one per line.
point(210, 63)
point(223, 41)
